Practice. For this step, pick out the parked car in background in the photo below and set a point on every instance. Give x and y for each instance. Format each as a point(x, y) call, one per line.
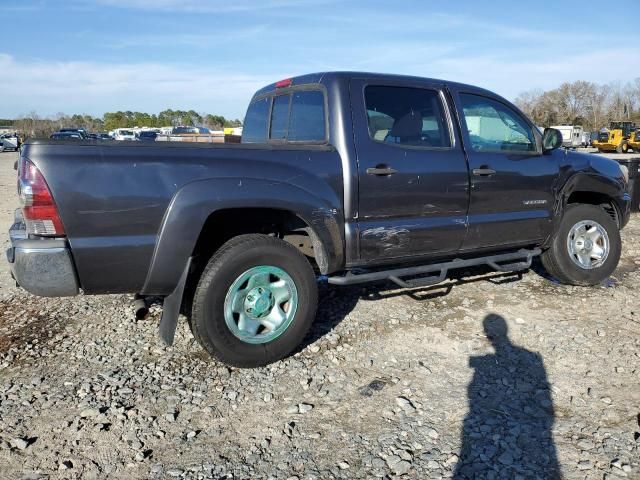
point(124, 134)
point(80, 131)
point(10, 141)
point(571, 135)
point(190, 131)
point(193, 134)
point(99, 136)
point(401, 179)
point(67, 136)
point(146, 135)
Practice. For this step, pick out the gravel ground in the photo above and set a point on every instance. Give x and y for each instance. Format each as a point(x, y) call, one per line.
point(487, 376)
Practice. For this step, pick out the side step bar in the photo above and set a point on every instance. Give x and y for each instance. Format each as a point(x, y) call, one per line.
point(505, 262)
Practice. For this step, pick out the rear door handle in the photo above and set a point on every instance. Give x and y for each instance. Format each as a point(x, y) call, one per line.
point(483, 172)
point(381, 170)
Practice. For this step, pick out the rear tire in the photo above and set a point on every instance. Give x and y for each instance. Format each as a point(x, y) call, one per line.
point(242, 286)
point(569, 256)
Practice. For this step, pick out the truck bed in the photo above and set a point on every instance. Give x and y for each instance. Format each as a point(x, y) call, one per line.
point(116, 194)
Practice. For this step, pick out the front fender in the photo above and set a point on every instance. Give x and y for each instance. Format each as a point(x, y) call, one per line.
point(195, 202)
point(589, 182)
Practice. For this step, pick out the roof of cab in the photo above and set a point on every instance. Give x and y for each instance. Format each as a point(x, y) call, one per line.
point(328, 77)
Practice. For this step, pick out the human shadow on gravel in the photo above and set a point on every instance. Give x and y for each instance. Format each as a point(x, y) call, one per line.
point(508, 430)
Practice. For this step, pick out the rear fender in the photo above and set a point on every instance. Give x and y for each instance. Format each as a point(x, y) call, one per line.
point(196, 201)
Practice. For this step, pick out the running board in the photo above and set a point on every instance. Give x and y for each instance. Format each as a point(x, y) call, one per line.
point(506, 262)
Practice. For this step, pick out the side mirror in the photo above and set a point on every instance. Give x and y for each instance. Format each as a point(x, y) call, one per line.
point(551, 139)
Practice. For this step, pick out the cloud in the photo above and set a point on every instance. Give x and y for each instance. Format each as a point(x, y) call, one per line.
point(48, 87)
point(202, 40)
point(204, 6)
point(510, 75)
point(89, 87)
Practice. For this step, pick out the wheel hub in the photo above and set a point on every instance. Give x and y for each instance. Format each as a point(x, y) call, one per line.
point(259, 302)
point(588, 244)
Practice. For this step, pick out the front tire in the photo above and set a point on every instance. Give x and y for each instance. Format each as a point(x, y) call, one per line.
point(254, 302)
point(623, 147)
point(586, 249)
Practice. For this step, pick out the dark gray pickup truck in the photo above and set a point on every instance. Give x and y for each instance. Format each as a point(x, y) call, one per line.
point(355, 176)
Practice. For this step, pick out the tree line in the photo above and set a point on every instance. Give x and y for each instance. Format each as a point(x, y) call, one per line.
point(588, 104)
point(32, 125)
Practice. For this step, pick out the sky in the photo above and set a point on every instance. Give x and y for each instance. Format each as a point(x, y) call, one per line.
point(93, 56)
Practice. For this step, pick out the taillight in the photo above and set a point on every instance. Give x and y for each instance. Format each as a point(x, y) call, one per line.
point(38, 208)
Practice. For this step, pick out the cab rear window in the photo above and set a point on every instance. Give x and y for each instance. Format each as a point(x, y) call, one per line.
point(306, 120)
point(292, 117)
point(255, 122)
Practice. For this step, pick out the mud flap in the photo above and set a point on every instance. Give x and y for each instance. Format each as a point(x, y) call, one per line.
point(171, 308)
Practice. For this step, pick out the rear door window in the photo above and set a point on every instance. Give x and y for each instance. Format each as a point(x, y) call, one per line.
point(407, 116)
point(255, 123)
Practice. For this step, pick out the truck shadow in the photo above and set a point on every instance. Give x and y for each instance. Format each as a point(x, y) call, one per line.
point(335, 303)
point(507, 432)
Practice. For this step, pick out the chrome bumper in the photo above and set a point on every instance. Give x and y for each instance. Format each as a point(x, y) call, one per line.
point(42, 266)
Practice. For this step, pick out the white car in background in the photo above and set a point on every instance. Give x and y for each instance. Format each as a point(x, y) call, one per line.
point(124, 134)
point(9, 141)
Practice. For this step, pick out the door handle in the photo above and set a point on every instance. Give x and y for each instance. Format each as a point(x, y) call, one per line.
point(483, 172)
point(381, 170)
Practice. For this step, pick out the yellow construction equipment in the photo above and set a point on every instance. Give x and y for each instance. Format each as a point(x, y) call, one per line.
point(616, 139)
point(634, 141)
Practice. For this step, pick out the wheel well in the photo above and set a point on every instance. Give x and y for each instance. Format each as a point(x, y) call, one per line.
point(223, 225)
point(599, 199)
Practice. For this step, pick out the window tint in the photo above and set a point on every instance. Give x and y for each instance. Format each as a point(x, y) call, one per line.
point(307, 117)
point(255, 122)
point(406, 116)
point(494, 126)
point(280, 117)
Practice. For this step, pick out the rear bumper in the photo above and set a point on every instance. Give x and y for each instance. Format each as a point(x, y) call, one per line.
point(42, 266)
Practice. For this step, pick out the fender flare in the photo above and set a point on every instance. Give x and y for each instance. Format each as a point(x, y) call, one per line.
point(196, 201)
point(588, 183)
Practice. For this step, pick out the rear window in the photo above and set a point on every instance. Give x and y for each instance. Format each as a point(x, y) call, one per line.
point(295, 117)
point(306, 123)
point(254, 129)
point(280, 117)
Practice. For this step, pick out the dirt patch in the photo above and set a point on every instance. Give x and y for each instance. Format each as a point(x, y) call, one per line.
point(20, 325)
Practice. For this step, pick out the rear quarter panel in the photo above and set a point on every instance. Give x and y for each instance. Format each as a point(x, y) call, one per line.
point(113, 198)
